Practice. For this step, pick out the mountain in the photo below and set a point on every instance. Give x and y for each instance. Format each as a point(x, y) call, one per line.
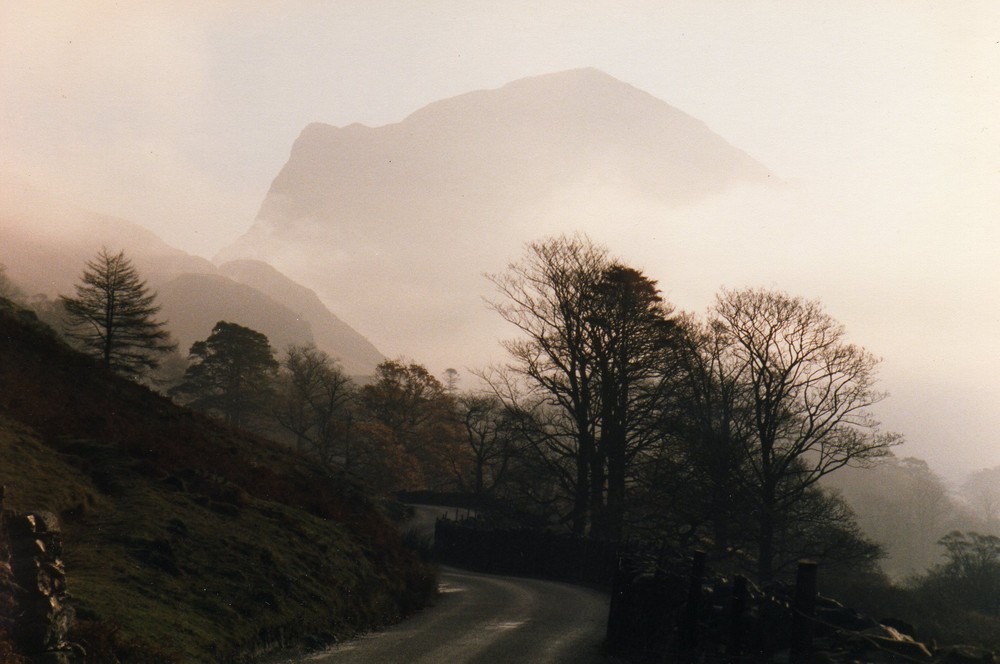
point(392, 226)
point(45, 244)
point(194, 303)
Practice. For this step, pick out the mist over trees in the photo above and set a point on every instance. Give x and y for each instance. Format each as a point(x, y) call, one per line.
point(112, 316)
point(728, 425)
point(8, 289)
point(749, 429)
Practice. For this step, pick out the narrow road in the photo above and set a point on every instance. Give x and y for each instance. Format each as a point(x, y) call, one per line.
point(486, 619)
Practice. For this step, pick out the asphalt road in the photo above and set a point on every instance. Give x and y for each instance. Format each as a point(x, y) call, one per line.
point(486, 619)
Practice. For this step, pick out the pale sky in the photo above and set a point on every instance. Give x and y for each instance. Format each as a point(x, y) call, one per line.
point(883, 114)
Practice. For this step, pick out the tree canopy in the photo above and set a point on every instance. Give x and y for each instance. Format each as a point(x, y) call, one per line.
point(595, 337)
point(807, 393)
point(231, 373)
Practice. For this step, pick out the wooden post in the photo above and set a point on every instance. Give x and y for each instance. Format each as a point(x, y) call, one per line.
point(736, 609)
point(620, 597)
point(803, 610)
point(689, 628)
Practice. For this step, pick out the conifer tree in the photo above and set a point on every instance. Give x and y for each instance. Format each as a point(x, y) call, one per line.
point(112, 317)
point(231, 373)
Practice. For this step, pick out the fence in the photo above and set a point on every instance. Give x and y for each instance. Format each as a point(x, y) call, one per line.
point(687, 614)
point(665, 605)
point(525, 552)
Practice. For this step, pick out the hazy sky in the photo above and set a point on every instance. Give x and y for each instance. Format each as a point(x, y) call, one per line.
point(177, 115)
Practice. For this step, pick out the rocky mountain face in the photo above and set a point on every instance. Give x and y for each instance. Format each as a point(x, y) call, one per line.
point(392, 226)
point(45, 245)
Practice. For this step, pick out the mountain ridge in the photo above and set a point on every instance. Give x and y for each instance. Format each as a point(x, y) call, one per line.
point(45, 244)
point(392, 226)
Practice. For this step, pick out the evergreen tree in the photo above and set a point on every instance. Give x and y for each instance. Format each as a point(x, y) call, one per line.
point(231, 373)
point(112, 316)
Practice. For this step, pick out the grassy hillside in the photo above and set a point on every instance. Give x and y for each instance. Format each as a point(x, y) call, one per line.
point(185, 539)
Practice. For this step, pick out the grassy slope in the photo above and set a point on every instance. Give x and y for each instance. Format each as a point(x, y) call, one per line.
point(201, 540)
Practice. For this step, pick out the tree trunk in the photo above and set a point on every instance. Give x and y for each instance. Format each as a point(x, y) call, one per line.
point(598, 509)
point(765, 543)
point(616, 491)
point(581, 500)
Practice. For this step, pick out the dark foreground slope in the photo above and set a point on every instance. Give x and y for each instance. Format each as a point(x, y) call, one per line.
point(192, 538)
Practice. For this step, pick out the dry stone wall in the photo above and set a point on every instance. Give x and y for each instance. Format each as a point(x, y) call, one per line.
point(33, 585)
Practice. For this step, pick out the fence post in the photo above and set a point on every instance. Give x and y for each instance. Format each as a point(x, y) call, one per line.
point(620, 596)
point(736, 609)
point(689, 628)
point(803, 610)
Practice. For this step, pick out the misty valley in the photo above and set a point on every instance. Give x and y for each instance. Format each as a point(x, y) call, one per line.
point(221, 461)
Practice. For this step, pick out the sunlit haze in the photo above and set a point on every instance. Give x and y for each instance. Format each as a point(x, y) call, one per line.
point(878, 118)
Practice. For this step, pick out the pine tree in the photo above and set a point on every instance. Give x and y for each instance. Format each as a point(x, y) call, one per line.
point(113, 314)
point(231, 373)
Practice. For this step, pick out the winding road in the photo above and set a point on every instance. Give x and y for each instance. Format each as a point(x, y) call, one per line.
point(486, 619)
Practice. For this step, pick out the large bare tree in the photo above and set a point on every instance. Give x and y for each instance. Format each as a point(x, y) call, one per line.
point(808, 393)
point(593, 337)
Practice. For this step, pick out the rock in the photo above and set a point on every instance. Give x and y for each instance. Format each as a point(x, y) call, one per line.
point(900, 626)
point(964, 655)
point(871, 645)
point(886, 632)
point(44, 522)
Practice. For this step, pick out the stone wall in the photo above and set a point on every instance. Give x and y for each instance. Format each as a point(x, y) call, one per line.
point(33, 582)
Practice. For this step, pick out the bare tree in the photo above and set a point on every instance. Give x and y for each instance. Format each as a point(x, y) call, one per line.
point(594, 334)
point(491, 435)
point(809, 395)
point(313, 402)
point(982, 491)
point(706, 430)
point(112, 316)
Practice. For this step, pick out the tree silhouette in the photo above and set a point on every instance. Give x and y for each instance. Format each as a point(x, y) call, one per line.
point(808, 394)
point(8, 289)
point(314, 398)
point(231, 373)
point(595, 347)
point(112, 316)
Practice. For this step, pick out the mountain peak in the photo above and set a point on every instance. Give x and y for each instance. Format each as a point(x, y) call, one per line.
point(413, 212)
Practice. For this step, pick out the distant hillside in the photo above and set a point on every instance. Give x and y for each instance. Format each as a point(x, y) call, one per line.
point(194, 303)
point(46, 243)
point(392, 226)
point(356, 354)
point(192, 538)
